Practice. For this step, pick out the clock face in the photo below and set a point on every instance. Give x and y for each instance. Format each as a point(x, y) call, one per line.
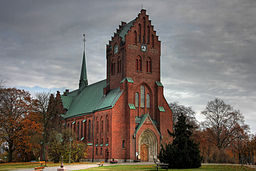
point(143, 48)
point(115, 49)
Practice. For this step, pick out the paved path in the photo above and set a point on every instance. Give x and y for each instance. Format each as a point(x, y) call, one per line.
point(84, 166)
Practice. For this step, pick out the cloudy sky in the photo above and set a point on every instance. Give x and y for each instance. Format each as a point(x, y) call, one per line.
point(208, 46)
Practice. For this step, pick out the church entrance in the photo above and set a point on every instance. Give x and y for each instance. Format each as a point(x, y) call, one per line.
point(144, 152)
point(147, 145)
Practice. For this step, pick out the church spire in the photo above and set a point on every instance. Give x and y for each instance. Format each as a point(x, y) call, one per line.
point(83, 76)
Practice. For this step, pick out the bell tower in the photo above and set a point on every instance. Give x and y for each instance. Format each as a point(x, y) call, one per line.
point(133, 52)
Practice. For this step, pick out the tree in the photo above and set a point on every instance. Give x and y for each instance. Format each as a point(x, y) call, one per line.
point(64, 144)
point(178, 109)
point(16, 106)
point(183, 152)
point(42, 101)
point(223, 123)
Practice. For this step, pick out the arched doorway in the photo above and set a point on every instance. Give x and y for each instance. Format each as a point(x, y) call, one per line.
point(147, 145)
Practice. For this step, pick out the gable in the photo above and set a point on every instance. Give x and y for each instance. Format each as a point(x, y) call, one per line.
point(144, 119)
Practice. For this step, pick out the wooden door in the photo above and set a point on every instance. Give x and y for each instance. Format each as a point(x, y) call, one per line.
point(144, 152)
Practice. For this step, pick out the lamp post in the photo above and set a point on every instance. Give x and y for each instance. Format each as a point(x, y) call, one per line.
point(70, 139)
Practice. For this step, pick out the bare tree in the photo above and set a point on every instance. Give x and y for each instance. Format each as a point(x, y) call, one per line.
point(43, 101)
point(178, 109)
point(223, 123)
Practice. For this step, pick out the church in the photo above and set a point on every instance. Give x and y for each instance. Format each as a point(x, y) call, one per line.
point(125, 116)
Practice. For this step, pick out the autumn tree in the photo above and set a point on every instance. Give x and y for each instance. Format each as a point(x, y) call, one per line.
point(17, 110)
point(224, 123)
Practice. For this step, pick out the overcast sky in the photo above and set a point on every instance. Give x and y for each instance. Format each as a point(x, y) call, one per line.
point(208, 46)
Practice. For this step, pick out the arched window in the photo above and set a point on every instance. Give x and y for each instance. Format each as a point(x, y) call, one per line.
point(148, 101)
point(119, 67)
point(82, 129)
point(135, 37)
point(148, 34)
point(101, 152)
point(78, 136)
point(153, 41)
point(102, 126)
point(85, 129)
point(142, 96)
point(136, 99)
point(123, 144)
point(138, 64)
point(97, 126)
point(107, 124)
point(140, 33)
point(149, 65)
point(96, 151)
point(89, 130)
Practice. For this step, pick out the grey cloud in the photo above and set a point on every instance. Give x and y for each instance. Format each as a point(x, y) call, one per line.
point(208, 47)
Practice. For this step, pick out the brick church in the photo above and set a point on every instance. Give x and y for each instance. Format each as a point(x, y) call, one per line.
point(124, 117)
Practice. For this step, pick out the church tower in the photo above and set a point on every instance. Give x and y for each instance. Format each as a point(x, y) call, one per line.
point(133, 65)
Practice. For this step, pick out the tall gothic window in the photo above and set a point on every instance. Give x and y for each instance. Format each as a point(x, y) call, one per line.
point(101, 126)
point(142, 96)
point(119, 67)
point(97, 126)
point(78, 136)
point(140, 33)
point(148, 100)
point(136, 99)
point(89, 130)
point(138, 64)
point(149, 65)
point(82, 129)
point(107, 124)
point(85, 133)
point(135, 37)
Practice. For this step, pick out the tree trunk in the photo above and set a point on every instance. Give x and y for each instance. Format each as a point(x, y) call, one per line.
point(10, 151)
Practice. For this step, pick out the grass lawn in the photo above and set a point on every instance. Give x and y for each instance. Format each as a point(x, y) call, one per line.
point(152, 167)
point(22, 165)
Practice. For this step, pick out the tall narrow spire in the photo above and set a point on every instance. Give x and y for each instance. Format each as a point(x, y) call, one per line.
point(83, 76)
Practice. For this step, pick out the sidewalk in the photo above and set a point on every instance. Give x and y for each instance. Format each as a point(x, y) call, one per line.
point(84, 166)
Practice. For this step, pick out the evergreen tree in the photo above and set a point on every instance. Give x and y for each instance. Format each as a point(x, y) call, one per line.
point(183, 152)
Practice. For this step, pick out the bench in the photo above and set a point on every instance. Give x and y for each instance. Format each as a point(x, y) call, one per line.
point(160, 165)
point(40, 167)
point(100, 163)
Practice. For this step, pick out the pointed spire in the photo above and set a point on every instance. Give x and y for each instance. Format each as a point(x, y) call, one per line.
point(83, 76)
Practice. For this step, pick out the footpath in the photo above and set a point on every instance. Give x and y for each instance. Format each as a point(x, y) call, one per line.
point(83, 166)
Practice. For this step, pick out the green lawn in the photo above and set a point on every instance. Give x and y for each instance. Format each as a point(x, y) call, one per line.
point(152, 167)
point(22, 165)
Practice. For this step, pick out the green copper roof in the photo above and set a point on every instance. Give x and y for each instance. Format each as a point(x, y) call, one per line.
point(131, 106)
point(89, 100)
point(161, 108)
point(125, 29)
point(129, 80)
point(83, 76)
point(142, 120)
point(158, 83)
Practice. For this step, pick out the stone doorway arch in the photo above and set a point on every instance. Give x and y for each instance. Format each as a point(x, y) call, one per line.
point(147, 145)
